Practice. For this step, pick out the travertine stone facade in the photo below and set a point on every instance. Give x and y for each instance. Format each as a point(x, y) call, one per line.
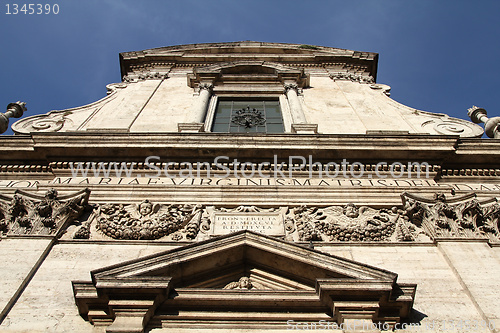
point(166, 238)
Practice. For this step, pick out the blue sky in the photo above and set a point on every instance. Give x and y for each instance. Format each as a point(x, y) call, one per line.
point(439, 56)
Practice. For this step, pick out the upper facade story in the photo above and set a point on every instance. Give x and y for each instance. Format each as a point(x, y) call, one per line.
point(248, 87)
point(197, 101)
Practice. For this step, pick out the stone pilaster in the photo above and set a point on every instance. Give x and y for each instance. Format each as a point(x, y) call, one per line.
point(291, 91)
point(197, 119)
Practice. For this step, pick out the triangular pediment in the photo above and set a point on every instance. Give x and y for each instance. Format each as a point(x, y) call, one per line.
point(244, 251)
point(245, 272)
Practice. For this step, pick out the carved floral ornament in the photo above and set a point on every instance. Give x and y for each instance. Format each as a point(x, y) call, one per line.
point(460, 217)
point(418, 219)
point(30, 214)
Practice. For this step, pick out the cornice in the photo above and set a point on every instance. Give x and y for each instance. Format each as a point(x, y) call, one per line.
point(132, 146)
point(38, 148)
point(291, 54)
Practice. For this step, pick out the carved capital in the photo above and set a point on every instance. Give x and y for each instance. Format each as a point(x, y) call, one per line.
point(460, 217)
point(291, 86)
point(205, 86)
point(30, 214)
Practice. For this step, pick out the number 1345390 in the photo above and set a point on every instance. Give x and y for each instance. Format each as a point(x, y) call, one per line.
point(31, 9)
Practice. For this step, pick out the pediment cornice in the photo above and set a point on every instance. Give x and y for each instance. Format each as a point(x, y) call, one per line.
point(129, 294)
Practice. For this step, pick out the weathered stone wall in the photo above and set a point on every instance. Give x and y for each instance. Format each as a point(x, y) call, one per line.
point(456, 280)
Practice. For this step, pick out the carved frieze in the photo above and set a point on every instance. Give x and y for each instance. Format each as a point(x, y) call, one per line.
point(350, 223)
point(145, 75)
point(458, 217)
point(148, 221)
point(355, 77)
point(418, 219)
point(30, 214)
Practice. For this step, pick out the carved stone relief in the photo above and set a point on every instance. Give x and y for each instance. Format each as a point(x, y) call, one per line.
point(43, 123)
point(29, 214)
point(245, 283)
point(146, 220)
point(460, 217)
point(352, 77)
point(146, 75)
point(452, 126)
point(418, 219)
point(351, 223)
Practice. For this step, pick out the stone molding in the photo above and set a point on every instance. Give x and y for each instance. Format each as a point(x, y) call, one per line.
point(305, 128)
point(191, 127)
point(144, 75)
point(240, 72)
point(128, 294)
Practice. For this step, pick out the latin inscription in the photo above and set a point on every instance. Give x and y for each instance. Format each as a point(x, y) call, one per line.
point(255, 182)
point(263, 223)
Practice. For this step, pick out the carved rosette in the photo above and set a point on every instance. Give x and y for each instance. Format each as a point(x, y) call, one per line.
point(461, 217)
point(30, 214)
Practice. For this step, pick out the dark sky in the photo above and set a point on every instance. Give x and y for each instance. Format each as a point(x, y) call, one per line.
point(438, 56)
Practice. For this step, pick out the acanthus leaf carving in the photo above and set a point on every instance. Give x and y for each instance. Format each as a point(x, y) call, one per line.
point(459, 217)
point(29, 214)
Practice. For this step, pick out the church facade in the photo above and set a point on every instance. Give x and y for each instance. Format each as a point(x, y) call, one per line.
point(250, 186)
